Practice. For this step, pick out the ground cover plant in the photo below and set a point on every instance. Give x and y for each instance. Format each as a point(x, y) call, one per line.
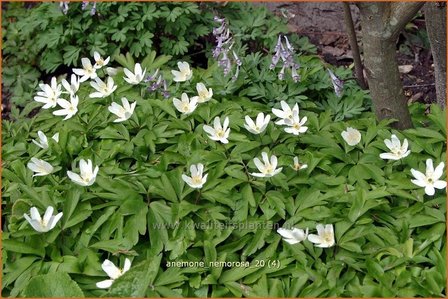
point(57, 36)
point(255, 175)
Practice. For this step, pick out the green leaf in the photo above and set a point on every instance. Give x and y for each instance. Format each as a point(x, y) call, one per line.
point(71, 55)
point(36, 248)
point(53, 285)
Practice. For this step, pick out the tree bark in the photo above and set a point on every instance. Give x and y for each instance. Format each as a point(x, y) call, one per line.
point(435, 16)
point(350, 28)
point(381, 23)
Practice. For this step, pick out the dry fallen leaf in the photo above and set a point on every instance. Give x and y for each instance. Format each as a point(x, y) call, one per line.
point(404, 69)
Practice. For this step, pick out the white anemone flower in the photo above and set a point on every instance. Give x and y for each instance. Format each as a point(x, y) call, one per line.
point(397, 150)
point(268, 168)
point(69, 109)
point(87, 71)
point(197, 179)
point(72, 87)
point(218, 132)
point(351, 136)
point(49, 95)
point(42, 225)
point(259, 125)
point(297, 165)
point(136, 77)
point(99, 61)
point(187, 105)
point(102, 89)
point(203, 94)
point(88, 174)
point(295, 124)
point(111, 71)
point(42, 141)
point(184, 73)
point(431, 179)
point(324, 237)
point(286, 112)
point(123, 112)
point(113, 272)
point(294, 235)
point(39, 167)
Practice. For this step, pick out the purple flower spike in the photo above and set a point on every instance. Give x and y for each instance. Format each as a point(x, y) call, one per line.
point(237, 60)
point(93, 10)
point(64, 7)
point(281, 75)
point(338, 84)
point(286, 55)
point(295, 75)
point(288, 45)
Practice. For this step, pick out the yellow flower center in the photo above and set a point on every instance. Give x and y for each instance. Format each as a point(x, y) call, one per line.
point(327, 237)
point(185, 108)
point(220, 133)
point(196, 179)
point(268, 169)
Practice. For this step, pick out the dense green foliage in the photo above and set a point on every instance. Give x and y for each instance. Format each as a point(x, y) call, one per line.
point(42, 40)
point(389, 235)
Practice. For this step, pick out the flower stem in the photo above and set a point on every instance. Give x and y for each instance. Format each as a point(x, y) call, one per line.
point(226, 151)
point(198, 196)
point(53, 180)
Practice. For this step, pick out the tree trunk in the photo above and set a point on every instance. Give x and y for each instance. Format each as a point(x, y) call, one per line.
point(353, 41)
point(381, 23)
point(435, 16)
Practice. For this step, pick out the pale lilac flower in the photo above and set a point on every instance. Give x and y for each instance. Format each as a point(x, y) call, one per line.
point(224, 43)
point(286, 55)
point(338, 84)
point(63, 5)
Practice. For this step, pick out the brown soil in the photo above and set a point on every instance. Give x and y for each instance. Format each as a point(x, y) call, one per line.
point(323, 24)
